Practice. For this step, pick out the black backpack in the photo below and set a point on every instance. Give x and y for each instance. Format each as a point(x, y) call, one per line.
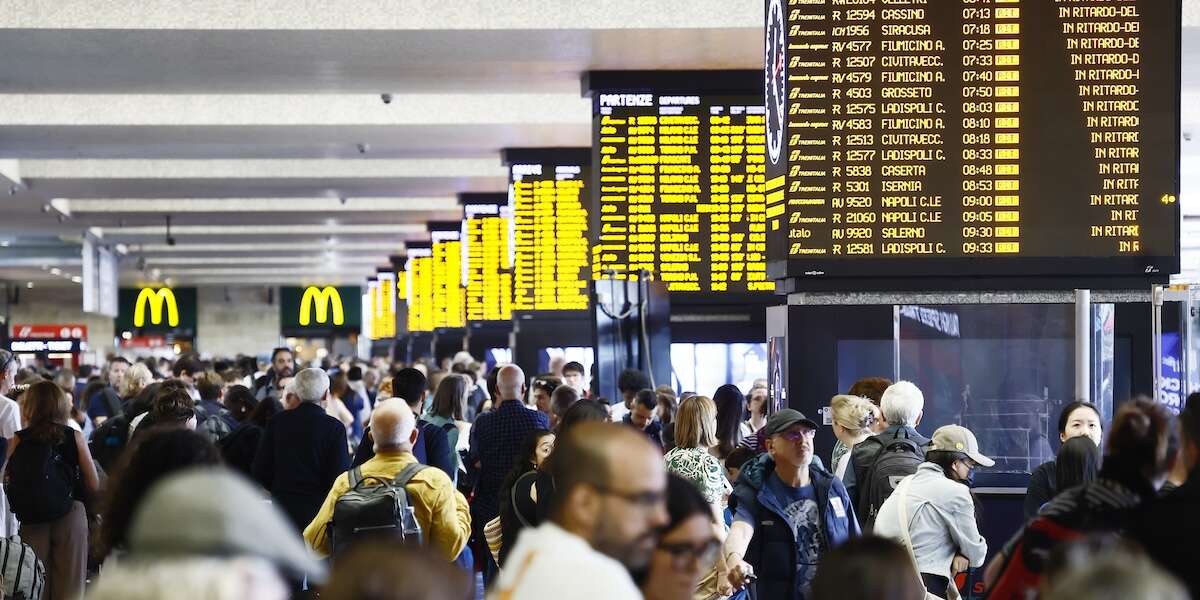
point(41, 482)
point(898, 459)
point(375, 509)
point(108, 441)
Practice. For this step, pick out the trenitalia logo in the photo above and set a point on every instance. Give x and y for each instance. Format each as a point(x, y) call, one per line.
point(156, 300)
point(323, 299)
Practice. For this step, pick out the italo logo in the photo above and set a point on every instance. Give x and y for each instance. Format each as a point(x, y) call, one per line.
point(324, 300)
point(157, 300)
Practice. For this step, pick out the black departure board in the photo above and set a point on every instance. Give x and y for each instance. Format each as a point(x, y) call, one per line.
point(449, 297)
point(549, 198)
point(680, 161)
point(972, 137)
point(419, 289)
point(487, 226)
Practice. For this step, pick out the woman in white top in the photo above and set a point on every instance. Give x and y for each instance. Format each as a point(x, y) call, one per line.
point(933, 513)
point(757, 407)
point(853, 418)
point(10, 423)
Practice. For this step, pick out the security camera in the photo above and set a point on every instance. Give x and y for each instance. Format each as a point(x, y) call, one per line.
point(1187, 136)
point(387, 98)
point(343, 200)
point(170, 241)
point(364, 148)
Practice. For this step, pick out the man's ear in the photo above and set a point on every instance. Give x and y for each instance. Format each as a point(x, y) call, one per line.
point(919, 415)
point(412, 437)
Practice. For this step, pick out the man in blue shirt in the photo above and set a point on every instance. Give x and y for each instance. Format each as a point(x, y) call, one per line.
point(787, 512)
point(641, 416)
point(496, 440)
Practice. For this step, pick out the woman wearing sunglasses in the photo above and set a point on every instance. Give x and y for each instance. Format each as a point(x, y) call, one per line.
point(687, 547)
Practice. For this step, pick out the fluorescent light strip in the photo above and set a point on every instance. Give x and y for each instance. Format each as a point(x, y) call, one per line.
point(336, 245)
point(268, 260)
point(247, 205)
point(320, 168)
point(263, 230)
point(269, 272)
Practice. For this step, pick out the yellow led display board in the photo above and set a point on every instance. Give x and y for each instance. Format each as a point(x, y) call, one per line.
point(420, 286)
point(548, 188)
point(972, 137)
point(449, 297)
point(488, 226)
point(680, 171)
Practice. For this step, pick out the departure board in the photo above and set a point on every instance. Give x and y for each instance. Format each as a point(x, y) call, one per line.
point(549, 197)
point(384, 309)
point(973, 137)
point(681, 167)
point(449, 297)
point(419, 270)
point(373, 305)
point(487, 230)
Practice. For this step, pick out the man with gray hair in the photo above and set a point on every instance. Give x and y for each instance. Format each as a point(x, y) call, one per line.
point(440, 509)
point(880, 461)
point(302, 450)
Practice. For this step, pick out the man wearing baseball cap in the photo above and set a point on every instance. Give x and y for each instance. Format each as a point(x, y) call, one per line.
point(934, 510)
point(787, 510)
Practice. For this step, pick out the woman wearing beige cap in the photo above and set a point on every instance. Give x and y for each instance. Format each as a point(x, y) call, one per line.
point(933, 512)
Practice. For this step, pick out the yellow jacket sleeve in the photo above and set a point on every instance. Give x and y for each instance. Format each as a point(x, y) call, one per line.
point(442, 512)
point(315, 535)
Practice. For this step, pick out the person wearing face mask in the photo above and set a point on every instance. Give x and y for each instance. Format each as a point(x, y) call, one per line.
point(932, 512)
point(1078, 419)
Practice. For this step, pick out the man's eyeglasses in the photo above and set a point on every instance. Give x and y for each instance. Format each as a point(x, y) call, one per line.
point(645, 499)
point(683, 554)
point(795, 436)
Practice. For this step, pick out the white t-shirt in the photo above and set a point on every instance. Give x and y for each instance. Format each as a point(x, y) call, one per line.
point(618, 411)
point(550, 562)
point(10, 424)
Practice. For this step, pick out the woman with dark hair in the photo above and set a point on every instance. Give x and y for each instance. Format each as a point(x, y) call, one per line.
point(447, 411)
point(687, 547)
point(515, 505)
point(532, 493)
point(240, 402)
point(51, 475)
point(731, 406)
point(241, 445)
point(867, 568)
point(172, 407)
point(667, 406)
point(1137, 458)
point(156, 454)
point(933, 512)
point(1077, 419)
point(1077, 463)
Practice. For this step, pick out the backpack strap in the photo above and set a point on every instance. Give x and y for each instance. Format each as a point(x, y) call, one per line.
point(407, 473)
point(355, 477)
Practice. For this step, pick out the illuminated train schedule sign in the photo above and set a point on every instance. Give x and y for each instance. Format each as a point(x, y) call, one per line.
point(419, 286)
point(549, 198)
point(487, 256)
point(973, 137)
point(449, 297)
point(680, 161)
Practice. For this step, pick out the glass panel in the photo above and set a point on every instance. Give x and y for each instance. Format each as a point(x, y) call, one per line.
point(702, 368)
point(1002, 371)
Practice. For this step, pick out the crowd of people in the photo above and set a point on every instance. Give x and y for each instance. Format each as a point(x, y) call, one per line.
point(350, 479)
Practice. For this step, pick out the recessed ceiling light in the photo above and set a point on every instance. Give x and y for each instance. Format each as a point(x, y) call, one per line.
point(76, 279)
point(5, 244)
point(56, 271)
point(29, 285)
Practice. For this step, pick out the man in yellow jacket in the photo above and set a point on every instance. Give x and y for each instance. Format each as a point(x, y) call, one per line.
point(440, 509)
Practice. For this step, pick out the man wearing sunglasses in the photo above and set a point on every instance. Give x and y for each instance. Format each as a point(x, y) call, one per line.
point(609, 505)
point(787, 513)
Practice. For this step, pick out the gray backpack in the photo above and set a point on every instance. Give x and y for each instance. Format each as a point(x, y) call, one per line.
point(24, 575)
point(898, 459)
point(375, 507)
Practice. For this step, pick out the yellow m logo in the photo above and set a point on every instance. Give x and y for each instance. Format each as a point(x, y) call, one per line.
point(156, 300)
point(324, 299)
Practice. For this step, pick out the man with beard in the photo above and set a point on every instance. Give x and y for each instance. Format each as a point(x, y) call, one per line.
point(604, 520)
point(283, 366)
